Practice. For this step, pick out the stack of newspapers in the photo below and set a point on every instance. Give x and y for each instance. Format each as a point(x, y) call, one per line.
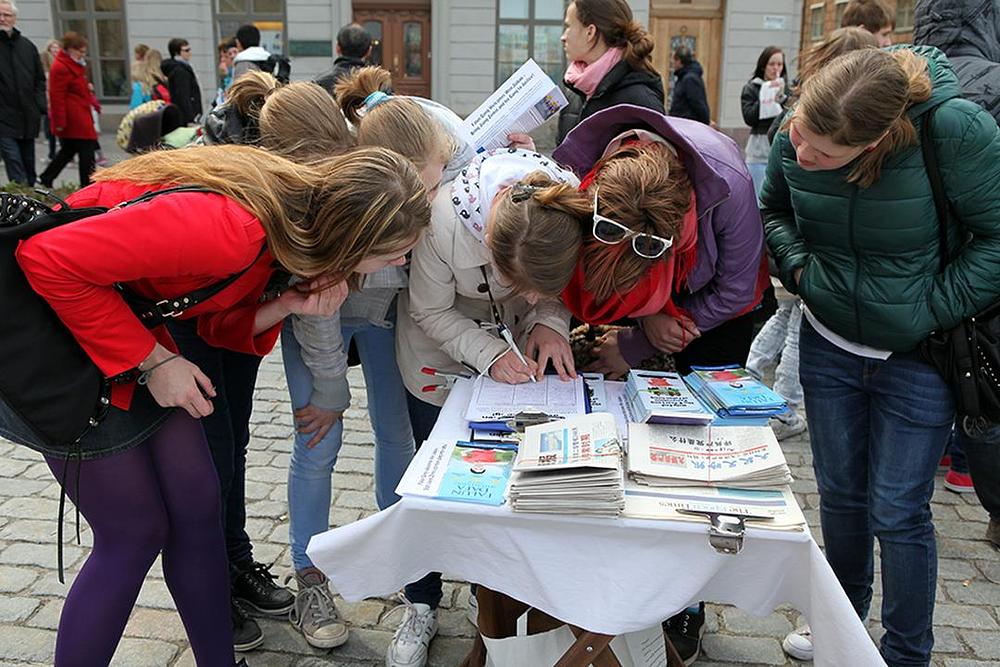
point(572, 466)
point(744, 457)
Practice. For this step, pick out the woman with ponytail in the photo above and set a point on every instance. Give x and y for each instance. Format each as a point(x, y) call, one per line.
point(510, 212)
point(850, 220)
point(610, 61)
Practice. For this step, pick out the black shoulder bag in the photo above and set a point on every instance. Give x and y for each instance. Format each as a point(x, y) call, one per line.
point(47, 379)
point(967, 356)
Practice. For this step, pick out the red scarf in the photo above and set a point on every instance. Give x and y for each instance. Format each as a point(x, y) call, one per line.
point(654, 293)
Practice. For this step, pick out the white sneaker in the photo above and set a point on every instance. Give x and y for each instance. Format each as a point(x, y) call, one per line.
point(799, 644)
point(788, 426)
point(472, 615)
point(409, 645)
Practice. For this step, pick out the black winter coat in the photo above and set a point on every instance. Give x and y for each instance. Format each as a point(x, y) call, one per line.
point(968, 31)
point(22, 87)
point(689, 98)
point(621, 85)
point(342, 66)
point(750, 104)
point(185, 93)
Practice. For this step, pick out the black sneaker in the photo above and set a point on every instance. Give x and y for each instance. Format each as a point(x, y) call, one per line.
point(253, 585)
point(246, 633)
point(685, 631)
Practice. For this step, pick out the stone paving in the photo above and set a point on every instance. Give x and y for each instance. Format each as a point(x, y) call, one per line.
point(967, 626)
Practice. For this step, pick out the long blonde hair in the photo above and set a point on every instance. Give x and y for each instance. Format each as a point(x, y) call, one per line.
point(647, 189)
point(148, 72)
point(392, 121)
point(536, 232)
point(862, 96)
point(837, 43)
point(298, 120)
point(319, 220)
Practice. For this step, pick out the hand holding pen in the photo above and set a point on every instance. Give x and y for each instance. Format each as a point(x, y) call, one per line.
point(513, 368)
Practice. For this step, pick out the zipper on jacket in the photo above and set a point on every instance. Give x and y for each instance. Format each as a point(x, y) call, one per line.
point(857, 263)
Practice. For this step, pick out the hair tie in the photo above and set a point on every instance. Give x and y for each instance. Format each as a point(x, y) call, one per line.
point(375, 99)
point(522, 193)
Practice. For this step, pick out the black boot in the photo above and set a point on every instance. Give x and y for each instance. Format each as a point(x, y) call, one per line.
point(246, 633)
point(253, 584)
point(685, 631)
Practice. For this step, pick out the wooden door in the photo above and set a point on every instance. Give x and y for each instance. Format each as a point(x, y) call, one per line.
point(402, 45)
point(703, 36)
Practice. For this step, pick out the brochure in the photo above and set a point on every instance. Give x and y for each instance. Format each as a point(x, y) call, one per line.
point(732, 392)
point(521, 104)
point(462, 472)
point(663, 398)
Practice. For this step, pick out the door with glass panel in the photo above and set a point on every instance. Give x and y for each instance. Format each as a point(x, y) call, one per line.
point(401, 44)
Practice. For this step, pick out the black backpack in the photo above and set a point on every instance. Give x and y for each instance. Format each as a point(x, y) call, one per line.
point(48, 381)
point(278, 66)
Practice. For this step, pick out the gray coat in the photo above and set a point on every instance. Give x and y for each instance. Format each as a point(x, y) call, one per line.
point(968, 31)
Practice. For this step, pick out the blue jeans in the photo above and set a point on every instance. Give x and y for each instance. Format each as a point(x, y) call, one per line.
point(878, 430)
point(310, 471)
point(758, 170)
point(19, 159)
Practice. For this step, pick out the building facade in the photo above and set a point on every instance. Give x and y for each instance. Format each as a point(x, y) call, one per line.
point(454, 51)
point(821, 17)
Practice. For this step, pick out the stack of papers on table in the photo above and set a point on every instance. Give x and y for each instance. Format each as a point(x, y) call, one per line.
point(573, 466)
point(663, 398)
point(459, 471)
point(495, 403)
point(762, 508)
point(731, 456)
point(731, 392)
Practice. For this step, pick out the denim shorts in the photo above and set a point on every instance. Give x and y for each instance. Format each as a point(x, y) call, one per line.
point(118, 431)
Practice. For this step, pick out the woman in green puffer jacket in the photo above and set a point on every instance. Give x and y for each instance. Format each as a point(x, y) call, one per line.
point(851, 223)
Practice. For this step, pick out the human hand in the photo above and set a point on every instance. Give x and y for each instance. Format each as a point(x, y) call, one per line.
point(509, 369)
point(669, 334)
point(321, 296)
point(178, 383)
point(520, 140)
point(610, 361)
point(545, 344)
point(311, 419)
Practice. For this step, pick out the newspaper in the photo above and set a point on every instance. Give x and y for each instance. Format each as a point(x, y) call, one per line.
point(521, 103)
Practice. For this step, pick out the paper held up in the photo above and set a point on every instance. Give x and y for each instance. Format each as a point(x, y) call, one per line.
point(770, 107)
point(521, 103)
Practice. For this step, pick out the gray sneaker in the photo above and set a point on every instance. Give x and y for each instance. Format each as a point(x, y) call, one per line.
point(788, 425)
point(315, 613)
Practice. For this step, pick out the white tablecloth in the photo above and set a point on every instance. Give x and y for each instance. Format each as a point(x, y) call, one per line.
point(605, 575)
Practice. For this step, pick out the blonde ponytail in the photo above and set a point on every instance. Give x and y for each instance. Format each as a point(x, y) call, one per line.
point(352, 91)
point(536, 234)
point(249, 92)
point(863, 97)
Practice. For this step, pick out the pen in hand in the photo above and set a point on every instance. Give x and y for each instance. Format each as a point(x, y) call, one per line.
point(509, 339)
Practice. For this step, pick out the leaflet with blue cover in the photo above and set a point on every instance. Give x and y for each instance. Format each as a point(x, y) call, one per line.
point(469, 473)
point(732, 391)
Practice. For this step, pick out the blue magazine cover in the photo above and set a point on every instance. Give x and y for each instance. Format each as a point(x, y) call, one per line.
point(733, 391)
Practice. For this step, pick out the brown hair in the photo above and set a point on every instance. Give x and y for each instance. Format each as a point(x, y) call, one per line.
point(838, 42)
point(74, 40)
point(873, 15)
point(319, 220)
point(394, 122)
point(47, 57)
point(647, 189)
point(536, 233)
point(863, 96)
point(299, 121)
point(614, 22)
point(140, 51)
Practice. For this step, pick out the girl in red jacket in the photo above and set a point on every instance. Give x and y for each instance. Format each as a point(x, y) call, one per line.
point(147, 478)
point(70, 102)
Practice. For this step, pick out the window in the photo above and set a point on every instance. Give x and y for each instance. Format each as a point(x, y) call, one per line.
point(904, 15)
point(838, 12)
point(102, 22)
point(267, 15)
point(816, 15)
point(530, 29)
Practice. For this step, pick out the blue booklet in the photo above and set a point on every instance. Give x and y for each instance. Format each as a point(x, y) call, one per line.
point(663, 398)
point(731, 391)
point(463, 472)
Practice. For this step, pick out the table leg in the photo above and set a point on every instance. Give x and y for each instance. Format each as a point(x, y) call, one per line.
point(590, 648)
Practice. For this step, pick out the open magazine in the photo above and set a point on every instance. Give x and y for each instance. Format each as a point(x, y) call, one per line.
point(521, 104)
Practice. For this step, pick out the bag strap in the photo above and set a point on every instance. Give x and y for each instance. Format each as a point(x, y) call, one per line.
point(937, 184)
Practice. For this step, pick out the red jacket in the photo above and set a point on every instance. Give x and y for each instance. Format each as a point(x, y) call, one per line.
point(70, 99)
point(163, 248)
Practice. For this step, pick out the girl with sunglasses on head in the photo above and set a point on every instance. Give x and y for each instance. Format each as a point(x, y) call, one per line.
point(673, 247)
point(503, 241)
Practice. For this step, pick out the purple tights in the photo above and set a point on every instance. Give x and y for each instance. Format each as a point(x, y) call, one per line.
point(161, 496)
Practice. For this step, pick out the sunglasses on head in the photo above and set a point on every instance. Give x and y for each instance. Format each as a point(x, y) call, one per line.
point(611, 232)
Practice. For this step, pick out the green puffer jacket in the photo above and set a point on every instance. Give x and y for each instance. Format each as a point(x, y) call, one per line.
point(870, 257)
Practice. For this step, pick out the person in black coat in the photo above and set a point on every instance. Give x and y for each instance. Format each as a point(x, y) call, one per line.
point(689, 99)
point(610, 62)
point(185, 93)
point(22, 98)
point(770, 71)
point(354, 45)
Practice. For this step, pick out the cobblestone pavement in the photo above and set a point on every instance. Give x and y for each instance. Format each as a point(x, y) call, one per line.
point(967, 627)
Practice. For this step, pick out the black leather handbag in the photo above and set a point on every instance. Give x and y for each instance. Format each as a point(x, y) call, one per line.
point(967, 356)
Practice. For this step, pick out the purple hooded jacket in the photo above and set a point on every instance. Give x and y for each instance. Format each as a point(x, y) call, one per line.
point(723, 282)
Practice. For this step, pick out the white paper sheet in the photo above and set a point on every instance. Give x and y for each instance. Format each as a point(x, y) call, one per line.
point(497, 401)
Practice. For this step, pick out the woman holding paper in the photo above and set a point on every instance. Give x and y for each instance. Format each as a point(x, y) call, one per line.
point(762, 100)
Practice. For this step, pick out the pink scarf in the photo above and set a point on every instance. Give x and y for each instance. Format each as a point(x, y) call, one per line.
point(586, 78)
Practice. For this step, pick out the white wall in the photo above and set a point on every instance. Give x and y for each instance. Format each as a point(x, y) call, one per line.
point(744, 37)
point(467, 45)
